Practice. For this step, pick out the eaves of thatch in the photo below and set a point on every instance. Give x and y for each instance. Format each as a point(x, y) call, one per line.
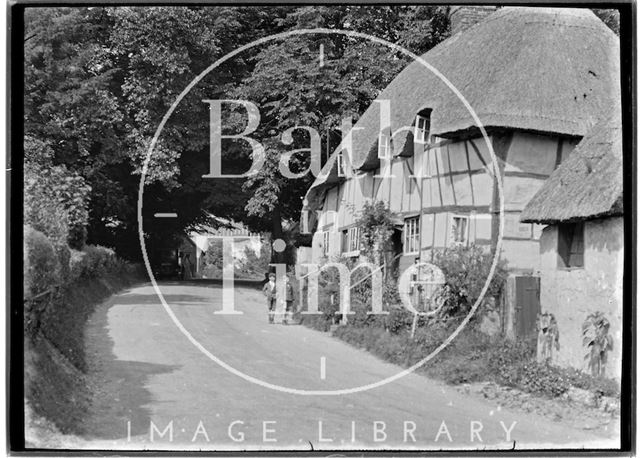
point(545, 70)
point(587, 185)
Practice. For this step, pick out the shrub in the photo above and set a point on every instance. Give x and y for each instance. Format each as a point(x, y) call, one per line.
point(536, 378)
point(213, 256)
point(602, 386)
point(255, 264)
point(54, 197)
point(95, 261)
point(41, 269)
point(376, 225)
point(63, 253)
point(398, 320)
point(77, 237)
point(466, 270)
point(361, 317)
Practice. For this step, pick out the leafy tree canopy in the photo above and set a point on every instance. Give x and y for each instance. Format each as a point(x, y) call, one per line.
point(99, 80)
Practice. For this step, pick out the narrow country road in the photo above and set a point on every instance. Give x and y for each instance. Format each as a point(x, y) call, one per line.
point(155, 389)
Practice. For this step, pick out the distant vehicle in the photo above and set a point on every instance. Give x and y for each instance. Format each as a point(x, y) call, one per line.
point(165, 264)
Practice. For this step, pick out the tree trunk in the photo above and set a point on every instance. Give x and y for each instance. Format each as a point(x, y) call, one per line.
point(277, 233)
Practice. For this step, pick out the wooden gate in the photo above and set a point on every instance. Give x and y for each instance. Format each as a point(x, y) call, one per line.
point(527, 305)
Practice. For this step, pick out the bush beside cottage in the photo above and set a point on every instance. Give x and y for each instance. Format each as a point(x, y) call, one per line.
point(472, 356)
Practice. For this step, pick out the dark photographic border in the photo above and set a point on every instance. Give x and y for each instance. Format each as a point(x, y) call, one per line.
point(14, 237)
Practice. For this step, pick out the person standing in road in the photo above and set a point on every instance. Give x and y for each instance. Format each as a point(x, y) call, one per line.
point(187, 272)
point(288, 313)
point(269, 290)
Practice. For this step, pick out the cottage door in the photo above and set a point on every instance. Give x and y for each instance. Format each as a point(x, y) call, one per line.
point(527, 305)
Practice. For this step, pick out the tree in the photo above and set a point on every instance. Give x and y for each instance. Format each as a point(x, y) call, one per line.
point(99, 80)
point(55, 199)
point(97, 83)
point(294, 89)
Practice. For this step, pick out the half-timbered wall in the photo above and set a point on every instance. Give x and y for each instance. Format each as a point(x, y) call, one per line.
point(451, 180)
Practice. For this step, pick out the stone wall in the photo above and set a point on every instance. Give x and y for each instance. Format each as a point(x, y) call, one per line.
point(572, 294)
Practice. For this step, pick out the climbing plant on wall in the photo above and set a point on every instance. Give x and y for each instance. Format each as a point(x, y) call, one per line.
point(597, 342)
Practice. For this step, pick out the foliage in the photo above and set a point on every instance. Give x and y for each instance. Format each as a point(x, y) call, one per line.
point(50, 268)
point(41, 266)
point(293, 89)
point(596, 341)
point(376, 226)
point(466, 269)
point(599, 385)
point(213, 257)
point(98, 81)
point(55, 200)
point(399, 319)
point(255, 264)
point(610, 17)
point(94, 262)
point(473, 357)
point(55, 361)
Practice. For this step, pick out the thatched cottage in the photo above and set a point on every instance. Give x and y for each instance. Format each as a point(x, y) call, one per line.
point(538, 78)
point(582, 244)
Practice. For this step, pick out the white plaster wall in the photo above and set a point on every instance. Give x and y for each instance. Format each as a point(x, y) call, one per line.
point(521, 255)
point(513, 228)
point(571, 295)
point(483, 151)
point(518, 191)
point(532, 153)
point(482, 188)
point(481, 226)
point(462, 188)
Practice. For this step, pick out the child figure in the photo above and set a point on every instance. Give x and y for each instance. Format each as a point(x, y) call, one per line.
point(288, 314)
point(269, 290)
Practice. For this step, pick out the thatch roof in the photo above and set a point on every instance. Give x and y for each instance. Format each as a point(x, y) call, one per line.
point(547, 70)
point(587, 185)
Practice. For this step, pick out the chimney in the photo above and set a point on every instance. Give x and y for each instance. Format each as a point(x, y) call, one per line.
point(464, 17)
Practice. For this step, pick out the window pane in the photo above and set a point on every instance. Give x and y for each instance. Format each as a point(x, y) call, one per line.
point(411, 235)
point(571, 245)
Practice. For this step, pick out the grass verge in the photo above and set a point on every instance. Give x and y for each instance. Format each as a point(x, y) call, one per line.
point(55, 365)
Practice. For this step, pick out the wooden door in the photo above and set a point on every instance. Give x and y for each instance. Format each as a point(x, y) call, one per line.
point(527, 305)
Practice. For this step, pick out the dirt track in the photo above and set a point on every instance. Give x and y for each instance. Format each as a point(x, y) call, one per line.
point(150, 379)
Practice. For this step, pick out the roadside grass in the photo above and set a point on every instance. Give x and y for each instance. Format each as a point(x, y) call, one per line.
point(55, 363)
point(470, 357)
point(62, 288)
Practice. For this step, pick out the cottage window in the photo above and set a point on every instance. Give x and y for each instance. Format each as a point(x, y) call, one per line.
point(344, 244)
point(354, 239)
point(325, 243)
point(384, 146)
point(411, 235)
point(422, 126)
point(571, 245)
point(460, 230)
point(351, 241)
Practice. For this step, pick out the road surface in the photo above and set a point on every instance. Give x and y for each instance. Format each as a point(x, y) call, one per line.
point(155, 389)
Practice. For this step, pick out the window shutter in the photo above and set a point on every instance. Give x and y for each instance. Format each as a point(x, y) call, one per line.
point(564, 240)
point(577, 246)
